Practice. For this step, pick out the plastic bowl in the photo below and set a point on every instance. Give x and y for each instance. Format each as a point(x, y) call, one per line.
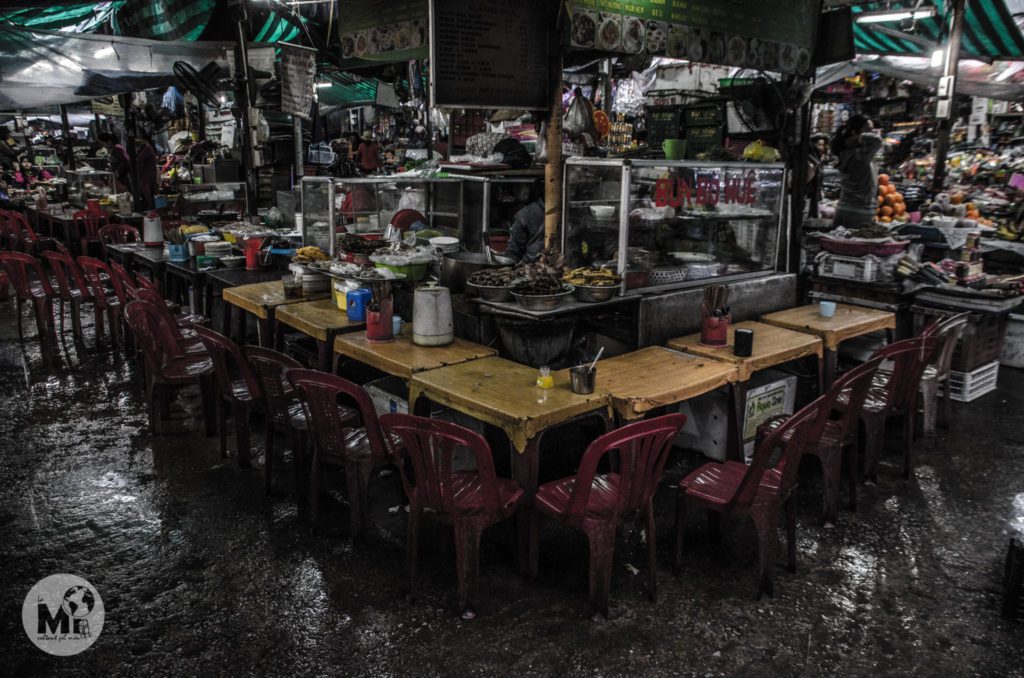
point(412, 272)
point(602, 211)
point(490, 292)
point(543, 302)
point(233, 261)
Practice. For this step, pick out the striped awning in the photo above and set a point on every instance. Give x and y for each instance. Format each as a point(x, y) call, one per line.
point(989, 31)
point(77, 18)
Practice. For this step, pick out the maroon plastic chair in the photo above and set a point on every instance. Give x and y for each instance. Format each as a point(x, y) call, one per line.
point(186, 336)
point(72, 289)
point(118, 234)
point(830, 436)
point(87, 225)
point(98, 275)
point(599, 504)
point(471, 501)
point(758, 490)
point(236, 386)
point(895, 396)
point(122, 282)
point(20, 269)
point(181, 318)
point(283, 410)
point(30, 242)
point(344, 431)
point(937, 374)
point(166, 366)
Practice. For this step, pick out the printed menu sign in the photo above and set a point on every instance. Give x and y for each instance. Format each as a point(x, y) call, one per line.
point(381, 31)
point(298, 77)
point(774, 35)
point(490, 55)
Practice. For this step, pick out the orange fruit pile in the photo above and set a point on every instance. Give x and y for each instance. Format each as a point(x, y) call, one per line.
point(890, 202)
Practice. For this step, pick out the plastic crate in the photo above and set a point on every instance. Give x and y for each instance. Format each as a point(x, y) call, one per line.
point(981, 342)
point(967, 386)
point(859, 269)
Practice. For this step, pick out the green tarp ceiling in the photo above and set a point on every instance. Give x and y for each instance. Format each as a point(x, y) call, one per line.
point(989, 31)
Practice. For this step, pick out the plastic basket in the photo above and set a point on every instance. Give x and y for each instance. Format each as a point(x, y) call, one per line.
point(320, 154)
point(860, 269)
point(967, 386)
point(981, 342)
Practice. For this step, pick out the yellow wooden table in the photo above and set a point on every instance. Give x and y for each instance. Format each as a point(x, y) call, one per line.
point(402, 358)
point(261, 300)
point(654, 377)
point(772, 346)
point(848, 322)
point(322, 320)
point(504, 394)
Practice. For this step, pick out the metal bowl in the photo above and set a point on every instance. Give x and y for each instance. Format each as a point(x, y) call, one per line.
point(490, 292)
point(594, 293)
point(543, 302)
point(233, 261)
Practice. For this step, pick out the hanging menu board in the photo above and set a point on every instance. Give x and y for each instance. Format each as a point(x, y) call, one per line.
point(298, 79)
point(373, 32)
point(773, 35)
point(490, 54)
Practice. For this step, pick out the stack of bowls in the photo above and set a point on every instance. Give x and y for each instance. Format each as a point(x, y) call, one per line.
point(445, 245)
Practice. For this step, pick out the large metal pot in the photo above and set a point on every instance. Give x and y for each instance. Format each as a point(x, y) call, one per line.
point(455, 267)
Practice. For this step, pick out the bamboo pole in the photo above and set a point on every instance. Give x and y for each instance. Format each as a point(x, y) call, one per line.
point(553, 168)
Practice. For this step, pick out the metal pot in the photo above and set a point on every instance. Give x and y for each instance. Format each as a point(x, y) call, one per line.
point(457, 266)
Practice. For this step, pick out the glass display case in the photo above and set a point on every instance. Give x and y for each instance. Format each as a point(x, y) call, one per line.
point(318, 197)
point(667, 224)
point(86, 184)
point(490, 203)
point(366, 204)
point(213, 201)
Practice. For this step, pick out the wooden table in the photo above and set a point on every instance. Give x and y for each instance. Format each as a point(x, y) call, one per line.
point(186, 282)
point(504, 394)
point(152, 260)
point(402, 358)
point(848, 322)
point(323, 321)
point(220, 279)
point(53, 216)
point(261, 301)
point(654, 377)
point(772, 346)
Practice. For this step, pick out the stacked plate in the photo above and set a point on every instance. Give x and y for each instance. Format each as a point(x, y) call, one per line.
point(445, 245)
point(217, 249)
point(315, 283)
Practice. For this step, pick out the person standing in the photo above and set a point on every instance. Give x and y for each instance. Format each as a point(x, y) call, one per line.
point(368, 153)
point(855, 145)
point(8, 149)
point(149, 179)
point(119, 164)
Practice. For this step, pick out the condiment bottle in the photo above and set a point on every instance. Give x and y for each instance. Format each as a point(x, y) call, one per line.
point(544, 379)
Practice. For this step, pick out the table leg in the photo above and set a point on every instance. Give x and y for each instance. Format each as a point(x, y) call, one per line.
point(265, 333)
point(739, 408)
point(890, 335)
point(208, 300)
point(525, 469)
point(325, 353)
point(225, 324)
point(831, 366)
point(237, 324)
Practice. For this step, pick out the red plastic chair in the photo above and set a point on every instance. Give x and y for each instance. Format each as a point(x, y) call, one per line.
point(344, 431)
point(118, 234)
point(894, 397)
point(30, 242)
point(166, 366)
point(831, 435)
point(98, 275)
point(236, 385)
point(754, 490)
point(599, 504)
point(122, 282)
point(471, 501)
point(20, 269)
point(283, 410)
point(948, 332)
point(87, 225)
point(182, 318)
point(72, 289)
point(185, 335)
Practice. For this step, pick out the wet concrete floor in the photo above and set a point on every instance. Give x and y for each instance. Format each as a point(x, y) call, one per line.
point(202, 574)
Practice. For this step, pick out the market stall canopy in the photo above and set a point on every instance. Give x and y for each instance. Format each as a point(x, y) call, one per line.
point(998, 80)
point(42, 68)
point(990, 30)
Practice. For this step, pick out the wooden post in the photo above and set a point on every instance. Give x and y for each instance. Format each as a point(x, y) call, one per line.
point(129, 149)
point(69, 148)
point(244, 99)
point(299, 157)
point(950, 70)
point(553, 168)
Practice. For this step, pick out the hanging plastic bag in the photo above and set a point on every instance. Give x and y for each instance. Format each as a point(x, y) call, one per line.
point(579, 119)
point(540, 148)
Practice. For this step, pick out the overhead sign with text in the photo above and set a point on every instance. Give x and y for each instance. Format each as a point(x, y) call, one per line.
point(490, 54)
point(378, 31)
point(773, 35)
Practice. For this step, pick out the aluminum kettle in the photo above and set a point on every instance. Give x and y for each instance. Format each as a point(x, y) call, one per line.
point(432, 316)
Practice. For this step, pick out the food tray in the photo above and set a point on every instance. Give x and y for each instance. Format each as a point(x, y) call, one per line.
point(860, 248)
point(490, 292)
point(543, 302)
point(667, 276)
